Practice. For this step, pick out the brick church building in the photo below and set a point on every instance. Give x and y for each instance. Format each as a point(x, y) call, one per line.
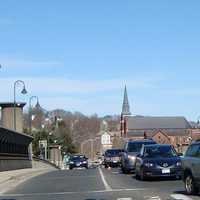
point(175, 130)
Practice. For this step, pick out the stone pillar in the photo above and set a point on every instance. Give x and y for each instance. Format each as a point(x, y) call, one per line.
point(7, 115)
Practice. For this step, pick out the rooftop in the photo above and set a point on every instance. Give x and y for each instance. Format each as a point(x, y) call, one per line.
point(11, 104)
point(144, 123)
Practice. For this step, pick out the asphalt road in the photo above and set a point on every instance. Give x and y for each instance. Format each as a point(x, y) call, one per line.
point(96, 184)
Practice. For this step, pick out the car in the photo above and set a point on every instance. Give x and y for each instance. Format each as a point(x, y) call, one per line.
point(158, 160)
point(78, 161)
point(112, 158)
point(191, 168)
point(130, 152)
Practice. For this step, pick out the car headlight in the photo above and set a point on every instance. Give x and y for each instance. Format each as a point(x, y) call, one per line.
point(84, 162)
point(178, 164)
point(131, 157)
point(148, 164)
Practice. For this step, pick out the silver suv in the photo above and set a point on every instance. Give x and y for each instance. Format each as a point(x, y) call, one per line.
point(131, 149)
point(191, 168)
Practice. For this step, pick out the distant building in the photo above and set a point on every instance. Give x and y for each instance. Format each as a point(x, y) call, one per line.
point(171, 130)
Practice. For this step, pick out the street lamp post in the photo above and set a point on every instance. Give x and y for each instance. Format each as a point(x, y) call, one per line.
point(48, 144)
point(30, 110)
point(24, 91)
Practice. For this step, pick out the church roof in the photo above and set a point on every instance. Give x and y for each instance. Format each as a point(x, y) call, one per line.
point(142, 123)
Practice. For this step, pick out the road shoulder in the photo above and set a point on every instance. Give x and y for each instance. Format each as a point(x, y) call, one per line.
point(10, 179)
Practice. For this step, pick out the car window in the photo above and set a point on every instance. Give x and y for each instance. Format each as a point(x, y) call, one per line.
point(159, 151)
point(198, 152)
point(113, 152)
point(136, 147)
point(192, 151)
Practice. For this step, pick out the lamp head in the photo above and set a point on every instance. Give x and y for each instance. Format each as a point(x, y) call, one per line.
point(24, 91)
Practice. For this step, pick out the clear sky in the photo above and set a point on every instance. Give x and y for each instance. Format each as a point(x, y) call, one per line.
point(78, 55)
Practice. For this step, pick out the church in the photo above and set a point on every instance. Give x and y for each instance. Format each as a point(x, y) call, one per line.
point(175, 130)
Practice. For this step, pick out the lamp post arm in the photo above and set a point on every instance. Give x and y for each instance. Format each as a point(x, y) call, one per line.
point(15, 85)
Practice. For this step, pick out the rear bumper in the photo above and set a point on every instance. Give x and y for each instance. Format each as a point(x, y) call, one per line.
point(112, 163)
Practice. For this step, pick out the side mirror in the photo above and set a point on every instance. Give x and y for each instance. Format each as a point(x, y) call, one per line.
point(180, 154)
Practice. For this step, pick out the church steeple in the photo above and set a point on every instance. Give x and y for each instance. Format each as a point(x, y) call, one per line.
point(126, 107)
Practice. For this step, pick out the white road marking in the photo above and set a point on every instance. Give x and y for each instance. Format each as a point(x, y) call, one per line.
point(152, 198)
point(129, 198)
point(65, 193)
point(115, 172)
point(106, 185)
point(180, 197)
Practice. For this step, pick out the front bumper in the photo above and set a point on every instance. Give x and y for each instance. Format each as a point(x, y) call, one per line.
point(162, 172)
point(82, 165)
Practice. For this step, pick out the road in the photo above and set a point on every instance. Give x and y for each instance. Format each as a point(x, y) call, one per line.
point(96, 184)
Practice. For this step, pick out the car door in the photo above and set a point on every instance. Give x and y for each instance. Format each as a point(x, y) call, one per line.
point(197, 164)
point(124, 154)
point(191, 160)
point(139, 159)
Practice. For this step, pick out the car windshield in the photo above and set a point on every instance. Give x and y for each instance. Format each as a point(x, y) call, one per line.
point(113, 152)
point(159, 151)
point(77, 158)
point(136, 147)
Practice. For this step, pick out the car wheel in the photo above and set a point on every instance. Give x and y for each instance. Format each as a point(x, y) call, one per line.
point(142, 176)
point(124, 170)
point(189, 185)
point(137, 176)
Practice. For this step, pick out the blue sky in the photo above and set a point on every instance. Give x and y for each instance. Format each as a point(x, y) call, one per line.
point(78, 55)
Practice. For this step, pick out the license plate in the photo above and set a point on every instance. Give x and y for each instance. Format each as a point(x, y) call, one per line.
point(78, 165)
point(166, 171)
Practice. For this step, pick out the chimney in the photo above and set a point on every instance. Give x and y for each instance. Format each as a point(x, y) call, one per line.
point(7, 116)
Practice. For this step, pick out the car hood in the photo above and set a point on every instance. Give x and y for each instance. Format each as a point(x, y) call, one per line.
point(163, 161)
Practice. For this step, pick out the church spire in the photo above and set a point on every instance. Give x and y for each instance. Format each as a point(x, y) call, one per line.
point(126, 107)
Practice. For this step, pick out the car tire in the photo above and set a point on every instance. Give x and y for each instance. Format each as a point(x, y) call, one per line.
point(190, 185)
point(142, 176)
point(137, 176)
point(124, 170)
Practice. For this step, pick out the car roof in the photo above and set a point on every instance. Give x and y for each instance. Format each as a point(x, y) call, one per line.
point(157, 145)
point(113, 149)
point(196, 142)
point(141, 141)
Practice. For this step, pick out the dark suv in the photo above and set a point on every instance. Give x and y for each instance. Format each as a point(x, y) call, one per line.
point(131, 150)
point(191, 168)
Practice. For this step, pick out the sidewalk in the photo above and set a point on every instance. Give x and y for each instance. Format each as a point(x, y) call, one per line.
point(10, 179)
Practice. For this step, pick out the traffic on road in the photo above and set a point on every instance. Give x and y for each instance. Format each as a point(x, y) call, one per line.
point(157, 176)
